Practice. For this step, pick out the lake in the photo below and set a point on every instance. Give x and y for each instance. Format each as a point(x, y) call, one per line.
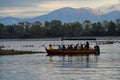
point(106, 66)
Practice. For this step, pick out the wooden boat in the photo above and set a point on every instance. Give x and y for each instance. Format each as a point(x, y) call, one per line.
point(94, 51)
point(72, 52)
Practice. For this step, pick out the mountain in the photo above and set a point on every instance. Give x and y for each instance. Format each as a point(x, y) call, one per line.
point(9, 20)
point(110, 16)
point(67, 14)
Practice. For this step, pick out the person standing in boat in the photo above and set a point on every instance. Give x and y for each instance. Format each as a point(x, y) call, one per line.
point(50, 47)
point(87, 45)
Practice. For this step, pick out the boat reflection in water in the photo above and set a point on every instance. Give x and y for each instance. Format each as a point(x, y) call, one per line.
point(82, 61)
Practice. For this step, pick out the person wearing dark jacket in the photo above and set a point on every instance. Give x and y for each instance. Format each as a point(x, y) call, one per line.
point(87, 45)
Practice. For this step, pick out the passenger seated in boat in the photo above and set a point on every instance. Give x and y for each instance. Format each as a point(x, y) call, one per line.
point(63, 47)
point(50, 47)
point(81, 46)
point(59, 47)
point(76, 47)
point(71, 47)
point(68, 47)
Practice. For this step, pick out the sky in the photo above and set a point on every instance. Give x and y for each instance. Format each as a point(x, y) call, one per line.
point(32, 8)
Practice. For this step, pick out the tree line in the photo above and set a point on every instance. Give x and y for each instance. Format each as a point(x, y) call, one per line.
point(56, 28)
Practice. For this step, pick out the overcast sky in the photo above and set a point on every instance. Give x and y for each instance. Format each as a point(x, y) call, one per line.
point(32, 8)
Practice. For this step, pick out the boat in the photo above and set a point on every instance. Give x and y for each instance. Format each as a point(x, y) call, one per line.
point(90, 51)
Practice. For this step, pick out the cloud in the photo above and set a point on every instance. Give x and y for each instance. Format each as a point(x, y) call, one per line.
point(27, 8)
point(17, 3)
point(109, 6)
point(21, 8)
point(116, 6)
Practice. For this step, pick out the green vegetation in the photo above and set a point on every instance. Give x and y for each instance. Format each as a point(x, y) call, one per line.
point(16, 52)
point(56, 28)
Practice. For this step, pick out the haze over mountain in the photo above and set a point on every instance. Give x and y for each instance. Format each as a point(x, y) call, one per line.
point(67, 14)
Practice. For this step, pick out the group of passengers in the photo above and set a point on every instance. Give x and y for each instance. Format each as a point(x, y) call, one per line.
point(71, 47)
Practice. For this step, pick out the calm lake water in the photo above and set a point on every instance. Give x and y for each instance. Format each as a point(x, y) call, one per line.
point(42, 67)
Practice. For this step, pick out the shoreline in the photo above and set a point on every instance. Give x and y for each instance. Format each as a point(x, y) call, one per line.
point(59, 38)
point(17, 52)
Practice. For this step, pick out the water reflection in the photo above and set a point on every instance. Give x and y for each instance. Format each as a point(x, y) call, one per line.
point(39, 67)
point(87, 61)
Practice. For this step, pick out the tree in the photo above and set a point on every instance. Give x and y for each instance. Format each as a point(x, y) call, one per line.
point(77, 29)
point(55, 29)
point(20, 30)
point(27, 26)
point(37, 23)
point(118, 26)
point(105, 25)
point(35, 29)
point(111, 28)
point(47, 24)
point(86, 26)
point(1, 30)
point(97, 29)
point(66, 29)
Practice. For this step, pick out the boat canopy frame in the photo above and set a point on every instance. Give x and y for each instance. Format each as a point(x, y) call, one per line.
point(77, 38)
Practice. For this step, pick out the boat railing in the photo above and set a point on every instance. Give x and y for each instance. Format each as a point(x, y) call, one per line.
point(74, 38)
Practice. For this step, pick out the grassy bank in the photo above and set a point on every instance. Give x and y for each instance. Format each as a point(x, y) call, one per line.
point(16, 52)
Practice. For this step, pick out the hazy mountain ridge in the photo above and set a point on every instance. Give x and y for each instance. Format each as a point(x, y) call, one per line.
point(67, 14)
